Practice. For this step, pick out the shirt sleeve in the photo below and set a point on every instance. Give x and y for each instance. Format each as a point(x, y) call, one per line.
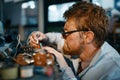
point(67, 73)
point(57, 39)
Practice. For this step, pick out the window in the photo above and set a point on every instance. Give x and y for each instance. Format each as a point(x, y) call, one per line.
point(55, 11)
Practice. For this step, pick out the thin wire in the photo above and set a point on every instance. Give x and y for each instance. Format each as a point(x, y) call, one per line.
point(19, 43)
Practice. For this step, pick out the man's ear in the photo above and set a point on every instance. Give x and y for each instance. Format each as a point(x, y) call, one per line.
point(89, 36)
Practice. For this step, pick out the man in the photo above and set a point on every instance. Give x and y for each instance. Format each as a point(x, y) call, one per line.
point(85, 31)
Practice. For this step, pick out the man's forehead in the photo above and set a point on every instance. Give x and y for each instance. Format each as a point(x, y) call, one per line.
point(70, 22)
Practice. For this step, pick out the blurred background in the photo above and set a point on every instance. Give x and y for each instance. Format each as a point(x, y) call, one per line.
point(24, 16)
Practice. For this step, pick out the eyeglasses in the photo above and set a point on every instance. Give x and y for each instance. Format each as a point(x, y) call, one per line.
point(70, 32)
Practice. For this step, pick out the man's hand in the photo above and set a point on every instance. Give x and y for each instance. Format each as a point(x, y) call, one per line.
point(59, 57)
point(34, 39)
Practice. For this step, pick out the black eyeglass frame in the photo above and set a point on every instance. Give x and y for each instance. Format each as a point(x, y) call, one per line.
point(69, 32)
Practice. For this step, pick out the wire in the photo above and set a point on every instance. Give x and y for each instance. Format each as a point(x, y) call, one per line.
point(19, 43)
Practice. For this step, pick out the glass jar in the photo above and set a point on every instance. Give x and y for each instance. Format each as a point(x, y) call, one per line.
point(40, 58)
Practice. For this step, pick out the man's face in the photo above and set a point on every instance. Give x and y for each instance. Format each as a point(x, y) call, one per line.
point(73, 41)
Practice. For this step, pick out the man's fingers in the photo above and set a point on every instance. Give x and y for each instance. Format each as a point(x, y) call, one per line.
point(34, 45)
point(34, 38)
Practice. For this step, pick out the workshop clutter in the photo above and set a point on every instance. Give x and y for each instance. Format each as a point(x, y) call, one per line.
point(23, 61)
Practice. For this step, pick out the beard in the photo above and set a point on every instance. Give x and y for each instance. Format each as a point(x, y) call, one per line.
point(73, 50)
